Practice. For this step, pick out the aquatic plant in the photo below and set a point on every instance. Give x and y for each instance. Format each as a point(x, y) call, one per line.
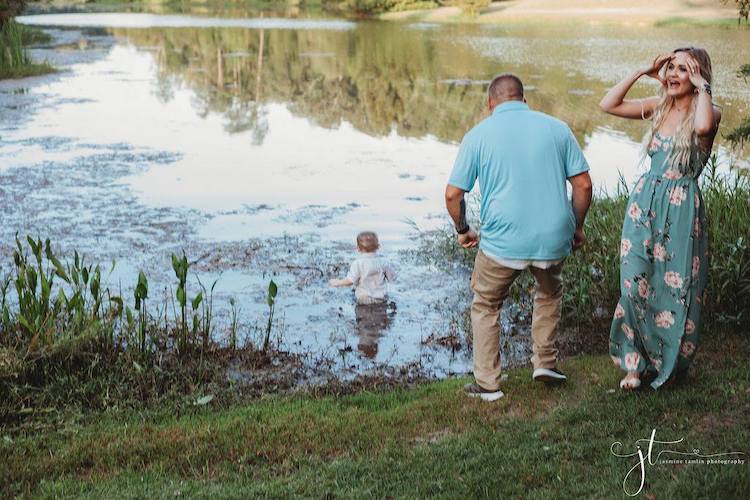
point(66, 338)
point(14, 63)
point(233, 324)
point(12, 54)
point(271, 300)
point(205, 299)
point(141, 294)
point(180, 266)
point(43, 313)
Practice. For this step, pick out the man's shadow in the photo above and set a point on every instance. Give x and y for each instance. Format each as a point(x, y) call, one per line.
point(372, 321)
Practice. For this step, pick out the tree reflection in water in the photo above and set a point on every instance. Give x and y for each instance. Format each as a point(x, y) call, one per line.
point(379, 77)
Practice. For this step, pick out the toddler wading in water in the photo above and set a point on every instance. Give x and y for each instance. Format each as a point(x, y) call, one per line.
point(368, 272)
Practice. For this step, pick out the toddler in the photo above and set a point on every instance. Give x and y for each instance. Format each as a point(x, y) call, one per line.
point(368, 272)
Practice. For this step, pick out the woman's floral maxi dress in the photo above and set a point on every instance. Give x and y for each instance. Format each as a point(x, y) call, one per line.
point(663, 270)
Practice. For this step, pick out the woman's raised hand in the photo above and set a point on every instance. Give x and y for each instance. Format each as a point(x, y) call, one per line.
point(694, 72)
point(653, 69)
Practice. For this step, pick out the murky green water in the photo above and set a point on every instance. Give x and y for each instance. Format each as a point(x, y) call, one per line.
point(266, 143)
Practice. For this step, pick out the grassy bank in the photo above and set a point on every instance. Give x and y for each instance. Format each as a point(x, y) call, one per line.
point(14, 62)
point(68, 341)
point(537, 441)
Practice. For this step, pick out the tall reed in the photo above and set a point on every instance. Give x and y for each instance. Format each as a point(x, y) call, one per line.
point(14, 61)
point(12, 53)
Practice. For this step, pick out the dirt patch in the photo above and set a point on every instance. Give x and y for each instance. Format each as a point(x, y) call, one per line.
point(612, 11)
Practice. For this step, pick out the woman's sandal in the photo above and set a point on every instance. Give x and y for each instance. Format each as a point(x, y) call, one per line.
point(630, 384)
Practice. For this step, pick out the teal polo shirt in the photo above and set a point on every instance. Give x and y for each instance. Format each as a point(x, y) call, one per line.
point(522, 159)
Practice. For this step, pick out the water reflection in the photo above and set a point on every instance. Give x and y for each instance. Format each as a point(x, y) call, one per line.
point(383, 77)
point(138, 20)
point(372, 322)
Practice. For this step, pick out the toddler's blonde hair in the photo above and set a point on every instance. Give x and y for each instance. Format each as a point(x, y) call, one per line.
point(367, 241)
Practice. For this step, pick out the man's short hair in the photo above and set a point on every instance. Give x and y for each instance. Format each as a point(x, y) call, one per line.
point(505, 87)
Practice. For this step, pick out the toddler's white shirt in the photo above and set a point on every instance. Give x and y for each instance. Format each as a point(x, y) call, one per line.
point(368, 273)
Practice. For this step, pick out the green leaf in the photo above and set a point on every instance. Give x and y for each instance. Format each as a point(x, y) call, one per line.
point(18, 243)
point(46, 288)
point(31, 277)
point(141, 289)
point(59, 269)
point(119, 305)
point(137, 367)
point(95, 285)
point(33, 245)
point(272, 289)
point(181, 296)
point(197, 300)
point(24, 322)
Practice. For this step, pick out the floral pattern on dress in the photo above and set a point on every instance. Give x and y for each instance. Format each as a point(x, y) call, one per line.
point(663, 271)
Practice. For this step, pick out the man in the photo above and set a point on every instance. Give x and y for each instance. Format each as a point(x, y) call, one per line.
point(522, 159)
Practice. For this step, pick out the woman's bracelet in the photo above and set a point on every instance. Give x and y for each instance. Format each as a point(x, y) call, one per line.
point(705, 88)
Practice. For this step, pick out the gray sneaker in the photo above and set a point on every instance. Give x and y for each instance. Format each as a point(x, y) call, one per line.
point(549, 375)
point(474, 390)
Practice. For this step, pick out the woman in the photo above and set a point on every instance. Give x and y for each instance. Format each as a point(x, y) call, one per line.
point(664, 247)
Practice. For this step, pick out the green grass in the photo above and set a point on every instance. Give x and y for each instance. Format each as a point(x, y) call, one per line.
point(537, 441)
point(31, 35)
point(29, 69)
point(684, 22)
point(14, 62)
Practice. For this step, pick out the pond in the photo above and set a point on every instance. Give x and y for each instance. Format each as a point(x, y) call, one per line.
point(261, 143)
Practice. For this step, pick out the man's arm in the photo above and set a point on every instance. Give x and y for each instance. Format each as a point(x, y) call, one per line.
point(582, 191)
point(456, 205)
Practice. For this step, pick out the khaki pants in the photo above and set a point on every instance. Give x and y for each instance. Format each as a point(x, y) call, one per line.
point(490, 283)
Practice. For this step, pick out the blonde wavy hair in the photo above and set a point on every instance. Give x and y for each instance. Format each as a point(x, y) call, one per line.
point(686, 153)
